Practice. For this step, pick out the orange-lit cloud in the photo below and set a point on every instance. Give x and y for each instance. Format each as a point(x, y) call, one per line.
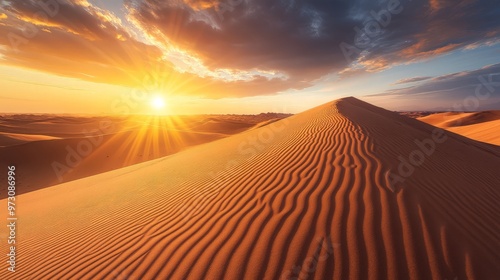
point(202, 4)
point(91, 44)
point(235, 48)
point(426, 31)
point(420, 50)
point(435, 5)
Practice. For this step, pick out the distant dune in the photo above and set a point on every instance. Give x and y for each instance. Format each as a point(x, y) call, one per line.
point(481, 126)
point(346, 190)
point(54, 149)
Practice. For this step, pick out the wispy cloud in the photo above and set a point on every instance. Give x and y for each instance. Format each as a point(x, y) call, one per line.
point(411, 80)
point(476, 86)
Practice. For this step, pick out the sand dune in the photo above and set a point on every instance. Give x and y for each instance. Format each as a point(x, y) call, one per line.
point(11, 139)
point(480, 126)
point(54, 150)
point(312, 196)
point(452, 119)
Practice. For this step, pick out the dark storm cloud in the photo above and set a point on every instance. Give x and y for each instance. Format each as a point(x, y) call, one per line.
point(302, 38)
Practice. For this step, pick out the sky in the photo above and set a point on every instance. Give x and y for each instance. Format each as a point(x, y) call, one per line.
point(247, 56)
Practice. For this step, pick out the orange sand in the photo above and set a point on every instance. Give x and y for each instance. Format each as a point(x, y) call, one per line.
point(306, 197)
point(480, 126)
point(52, 150)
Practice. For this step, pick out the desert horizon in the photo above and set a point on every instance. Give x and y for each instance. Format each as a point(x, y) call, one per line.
point(249, 140)
point(74, 149)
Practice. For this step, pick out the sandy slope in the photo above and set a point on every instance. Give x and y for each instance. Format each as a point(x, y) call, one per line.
point(480, 126)
point(485, 132)
point(305, 197)
point(55, 149)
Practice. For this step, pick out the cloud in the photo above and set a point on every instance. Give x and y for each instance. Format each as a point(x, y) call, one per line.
point(481, 86)
point(85, 42)
point(425, 31)
point(298, 40)
point(412, 80)
point(75, 41)
point(238, 47)
point(302, 38)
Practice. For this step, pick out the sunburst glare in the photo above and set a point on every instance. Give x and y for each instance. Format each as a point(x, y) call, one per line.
point(158, 102)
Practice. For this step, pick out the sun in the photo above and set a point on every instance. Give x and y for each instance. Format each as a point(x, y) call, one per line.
point(158, 102)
